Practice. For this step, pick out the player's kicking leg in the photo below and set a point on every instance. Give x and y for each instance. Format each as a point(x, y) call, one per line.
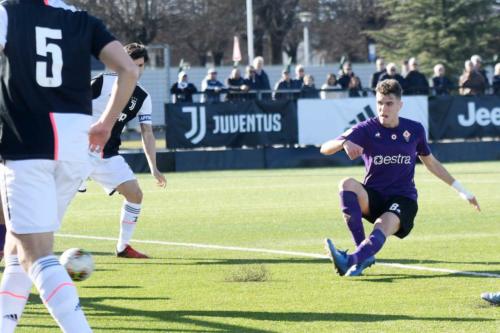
point(386, 225)
point(354, 203)
point(129, 216)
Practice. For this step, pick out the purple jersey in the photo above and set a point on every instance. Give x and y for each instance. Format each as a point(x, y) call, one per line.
point(390, 154)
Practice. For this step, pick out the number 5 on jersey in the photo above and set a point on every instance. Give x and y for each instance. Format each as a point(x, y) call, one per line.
point(44, 48)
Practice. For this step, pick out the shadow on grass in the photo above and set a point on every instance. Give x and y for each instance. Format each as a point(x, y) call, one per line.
point(110, 287)
point(428, 261)
point(216, 320)
point(388, 278)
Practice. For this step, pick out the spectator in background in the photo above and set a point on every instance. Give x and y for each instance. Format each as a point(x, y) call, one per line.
point(298, 82)
point(355, 89)
point(235, 85)
point(211, 87)
point(391, 73)
point(477, 62)
point(471, 82)
point(440, 83)
point(404, 68)
point(345, 75)
point(182, 91)
point(284, 84)
point(496, 80)
point(331, 83)
point(308, 89)
point(261, 78)
point(380, 70)
point(250, 82)
point(416, 83)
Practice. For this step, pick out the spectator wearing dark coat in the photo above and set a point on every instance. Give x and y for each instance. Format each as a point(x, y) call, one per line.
point(211, 87)
point(250, 82)
point(355, 89)
point(300, 72)
point(416, 83)
point(182, 91)
point(345, 75)
point(308, 89)
point(284, 84)
point(380, 70)
point(441, 85)
point(235, 85)
point(391, 73)
point(496, 80)
point(261, 78)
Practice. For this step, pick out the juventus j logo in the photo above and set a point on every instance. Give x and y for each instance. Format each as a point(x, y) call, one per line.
point(133, 102)
point(198, 123)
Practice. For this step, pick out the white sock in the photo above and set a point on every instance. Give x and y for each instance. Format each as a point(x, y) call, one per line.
point(14, 292)
point(128, 220)
point(59, 294)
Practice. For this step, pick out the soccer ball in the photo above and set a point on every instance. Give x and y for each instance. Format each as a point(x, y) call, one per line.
point(78, 263)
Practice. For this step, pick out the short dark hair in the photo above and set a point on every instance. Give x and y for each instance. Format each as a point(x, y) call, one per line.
point(388, 87)
point(137, 51)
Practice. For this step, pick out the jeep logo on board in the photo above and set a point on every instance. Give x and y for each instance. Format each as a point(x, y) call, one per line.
point(481, 116)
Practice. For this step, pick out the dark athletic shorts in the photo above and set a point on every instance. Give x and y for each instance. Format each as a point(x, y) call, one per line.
point(405, 208)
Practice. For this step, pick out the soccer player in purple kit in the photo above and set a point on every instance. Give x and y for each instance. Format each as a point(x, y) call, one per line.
point(389, 146)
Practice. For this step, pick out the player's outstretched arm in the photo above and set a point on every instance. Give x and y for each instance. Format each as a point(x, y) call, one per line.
point(331, 147)
point(437, 169)
point(116, 59)
point(149, 145)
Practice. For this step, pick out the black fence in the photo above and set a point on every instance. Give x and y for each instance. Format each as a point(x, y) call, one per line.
point(228, 95)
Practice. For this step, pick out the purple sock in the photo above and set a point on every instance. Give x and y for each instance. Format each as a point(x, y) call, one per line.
point(368, 248)
point(352, 213)
point(3, 231)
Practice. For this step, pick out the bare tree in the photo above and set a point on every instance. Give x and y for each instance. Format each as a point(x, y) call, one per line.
point(130, 20)
point(340, 27)
point(207, 28)
point(277, 18)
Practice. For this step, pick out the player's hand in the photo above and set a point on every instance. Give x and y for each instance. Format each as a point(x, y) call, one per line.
point(474, 203)
point(352, 150)
point(99, 134)
point(161, 181)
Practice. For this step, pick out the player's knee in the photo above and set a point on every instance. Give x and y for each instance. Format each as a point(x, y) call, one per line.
point(348, 184)
point(135, 195)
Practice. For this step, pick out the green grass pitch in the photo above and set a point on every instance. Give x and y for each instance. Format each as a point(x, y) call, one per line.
point(189, 289)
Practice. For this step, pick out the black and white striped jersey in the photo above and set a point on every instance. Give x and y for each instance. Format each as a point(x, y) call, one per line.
point(139, 105)
point(45, 96)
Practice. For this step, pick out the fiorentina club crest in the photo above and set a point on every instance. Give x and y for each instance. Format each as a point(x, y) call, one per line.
point(407, 135)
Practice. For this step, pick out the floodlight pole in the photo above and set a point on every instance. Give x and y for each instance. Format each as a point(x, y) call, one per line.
point(250, 31)
point(306, 18)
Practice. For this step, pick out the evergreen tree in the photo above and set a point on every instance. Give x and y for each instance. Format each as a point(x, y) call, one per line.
point(439, 31)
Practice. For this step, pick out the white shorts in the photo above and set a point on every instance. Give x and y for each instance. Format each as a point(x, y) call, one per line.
point(111, 172)
point(36, 193)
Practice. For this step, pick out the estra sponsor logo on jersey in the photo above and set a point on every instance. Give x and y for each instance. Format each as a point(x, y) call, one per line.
point(394, 159)
point(481, 116)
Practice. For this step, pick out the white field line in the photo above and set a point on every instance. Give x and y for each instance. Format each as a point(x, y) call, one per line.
point(281, 252)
